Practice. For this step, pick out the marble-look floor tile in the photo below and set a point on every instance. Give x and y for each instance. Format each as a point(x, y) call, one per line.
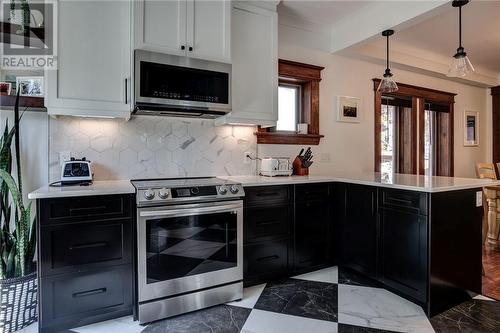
point(476, 316)
point(217, 319)
point(344, 328)
point(310, 299)
point(348, 276)
point(484, 298)
point(122, 325)
point(250, 296)
point(270, 322)
point(379, 308)
point(328, 275)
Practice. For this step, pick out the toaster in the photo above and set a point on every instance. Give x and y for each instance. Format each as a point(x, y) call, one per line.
point(276, 166)
point(76, 172)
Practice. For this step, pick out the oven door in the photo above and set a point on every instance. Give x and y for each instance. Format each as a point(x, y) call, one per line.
point(188, 247)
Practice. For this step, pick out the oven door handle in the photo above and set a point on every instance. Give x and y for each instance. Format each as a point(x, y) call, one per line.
point(189, 211)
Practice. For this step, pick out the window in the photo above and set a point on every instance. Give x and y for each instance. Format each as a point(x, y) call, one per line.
point(298, 102)
point(288, 107)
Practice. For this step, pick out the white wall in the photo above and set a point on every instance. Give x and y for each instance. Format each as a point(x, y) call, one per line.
point(349, 146)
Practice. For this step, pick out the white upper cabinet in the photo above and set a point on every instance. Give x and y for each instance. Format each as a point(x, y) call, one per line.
point(194, 28)
point(254, 49)
point(94, 60)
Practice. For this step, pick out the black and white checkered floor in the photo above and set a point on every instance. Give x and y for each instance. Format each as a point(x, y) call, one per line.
point(328, 300)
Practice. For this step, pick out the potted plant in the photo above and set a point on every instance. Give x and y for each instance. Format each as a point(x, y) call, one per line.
point(18, 283)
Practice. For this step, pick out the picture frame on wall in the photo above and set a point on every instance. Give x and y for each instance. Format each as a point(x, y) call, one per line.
point(349, 109)
point(30, 86)
point(471, 128)
point(5, 88)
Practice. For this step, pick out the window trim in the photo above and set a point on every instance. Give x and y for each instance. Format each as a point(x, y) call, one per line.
point(307, 77)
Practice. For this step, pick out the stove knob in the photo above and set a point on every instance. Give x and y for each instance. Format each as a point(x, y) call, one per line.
point(223, 189)
point(195, 190)
point(164, 193)
point(234, 189)
point(149, 194)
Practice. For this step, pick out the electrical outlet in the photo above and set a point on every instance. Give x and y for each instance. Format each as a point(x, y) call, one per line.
point(246, 158)
point(64, 156)
point(479, 199)
point(325, 158)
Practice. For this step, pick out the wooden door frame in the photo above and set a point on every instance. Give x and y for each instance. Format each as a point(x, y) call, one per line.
point(495, 97)
point(419, 95)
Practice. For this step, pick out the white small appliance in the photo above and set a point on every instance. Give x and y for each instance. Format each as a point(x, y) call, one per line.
point(276, 166)
point(76, 172)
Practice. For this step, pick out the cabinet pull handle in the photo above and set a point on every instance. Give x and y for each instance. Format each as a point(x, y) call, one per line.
point(190, 49)
point(88, 246)
point(183, 47)
point(401, 201)
point(126, 90)
point(84, 209)
point(266, 194)
point(268, 258)
point(90, 292)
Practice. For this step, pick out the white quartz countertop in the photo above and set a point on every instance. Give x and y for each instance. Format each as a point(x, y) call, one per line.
point(97, 188)
point(397, 181)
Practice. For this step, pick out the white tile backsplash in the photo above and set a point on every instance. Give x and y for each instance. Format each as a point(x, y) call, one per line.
point(146, 147)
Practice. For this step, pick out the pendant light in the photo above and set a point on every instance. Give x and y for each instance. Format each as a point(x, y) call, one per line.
point(387, 85)
point(460, 65)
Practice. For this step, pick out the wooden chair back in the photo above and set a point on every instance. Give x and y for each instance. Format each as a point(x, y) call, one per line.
point(486, 171)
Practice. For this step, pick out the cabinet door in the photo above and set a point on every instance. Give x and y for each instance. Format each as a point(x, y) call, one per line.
point(312, 220)
point(403, 254)
point(358, 228)
point(209, 30)
point(254, 56)
point(161, 26)
point(93, 76)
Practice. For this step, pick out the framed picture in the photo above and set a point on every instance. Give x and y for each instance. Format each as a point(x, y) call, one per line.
point(348, 109)
point(5, 88)
point(30, 85)
point(471, 128)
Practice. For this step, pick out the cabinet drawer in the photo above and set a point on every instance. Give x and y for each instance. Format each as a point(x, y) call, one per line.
point(267, 222)
point(265, 195)
point(80, 295)
point(312, 192)
point(62, 210)
point(67, 247)
point(407, 200)
point(270, 257)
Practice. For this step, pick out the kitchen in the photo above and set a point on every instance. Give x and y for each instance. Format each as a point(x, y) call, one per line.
point(241, 53)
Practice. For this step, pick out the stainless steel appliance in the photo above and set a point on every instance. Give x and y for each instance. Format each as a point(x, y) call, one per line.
point(75, 172)
point(190, 245)
point(276, 166)
point(181, 86)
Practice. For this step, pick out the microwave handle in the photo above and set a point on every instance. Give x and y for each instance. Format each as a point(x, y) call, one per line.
point(189, 211)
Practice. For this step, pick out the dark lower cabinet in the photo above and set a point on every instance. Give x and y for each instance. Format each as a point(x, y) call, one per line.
point(311, 234)
point(265, 261)
point(403, 252)
point(356, 212)
point(85, 260)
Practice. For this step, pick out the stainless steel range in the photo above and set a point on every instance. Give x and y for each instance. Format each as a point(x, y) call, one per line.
point(190, 245)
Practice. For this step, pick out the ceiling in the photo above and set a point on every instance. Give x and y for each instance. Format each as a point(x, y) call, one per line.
point(439, 35)
point(320, 12)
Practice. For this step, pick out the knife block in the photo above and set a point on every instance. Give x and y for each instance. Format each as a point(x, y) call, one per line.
point(298, 170)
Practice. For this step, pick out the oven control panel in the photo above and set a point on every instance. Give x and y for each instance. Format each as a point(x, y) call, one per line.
point(192, 193)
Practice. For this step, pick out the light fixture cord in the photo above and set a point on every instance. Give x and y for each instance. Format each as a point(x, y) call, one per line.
point(387, 50)
point(460, 26)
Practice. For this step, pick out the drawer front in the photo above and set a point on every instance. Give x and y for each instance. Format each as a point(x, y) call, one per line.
point(312, 192)
point(71, 296)
point(267, 221)
point(267, 195)
point(266, 258)
point(62, 210)
point(401, 199)
point(67, 247)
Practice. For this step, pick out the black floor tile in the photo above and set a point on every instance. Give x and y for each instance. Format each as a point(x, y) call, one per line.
point(476, 316)
point(310, 299)
point(348, 276)
point(217, 319)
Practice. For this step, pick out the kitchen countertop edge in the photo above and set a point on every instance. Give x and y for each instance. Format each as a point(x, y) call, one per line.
point(97, 188)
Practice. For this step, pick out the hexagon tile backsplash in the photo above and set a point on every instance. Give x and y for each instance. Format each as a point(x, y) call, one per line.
point(148, 147)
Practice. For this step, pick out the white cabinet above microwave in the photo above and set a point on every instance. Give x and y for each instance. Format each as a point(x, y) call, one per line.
point(194, 28)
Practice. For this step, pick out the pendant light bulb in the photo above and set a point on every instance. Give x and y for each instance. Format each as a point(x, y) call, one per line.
point(387, 84)
point(460, 65)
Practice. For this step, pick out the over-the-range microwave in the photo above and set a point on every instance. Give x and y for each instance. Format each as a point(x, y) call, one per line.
point(173, 85)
